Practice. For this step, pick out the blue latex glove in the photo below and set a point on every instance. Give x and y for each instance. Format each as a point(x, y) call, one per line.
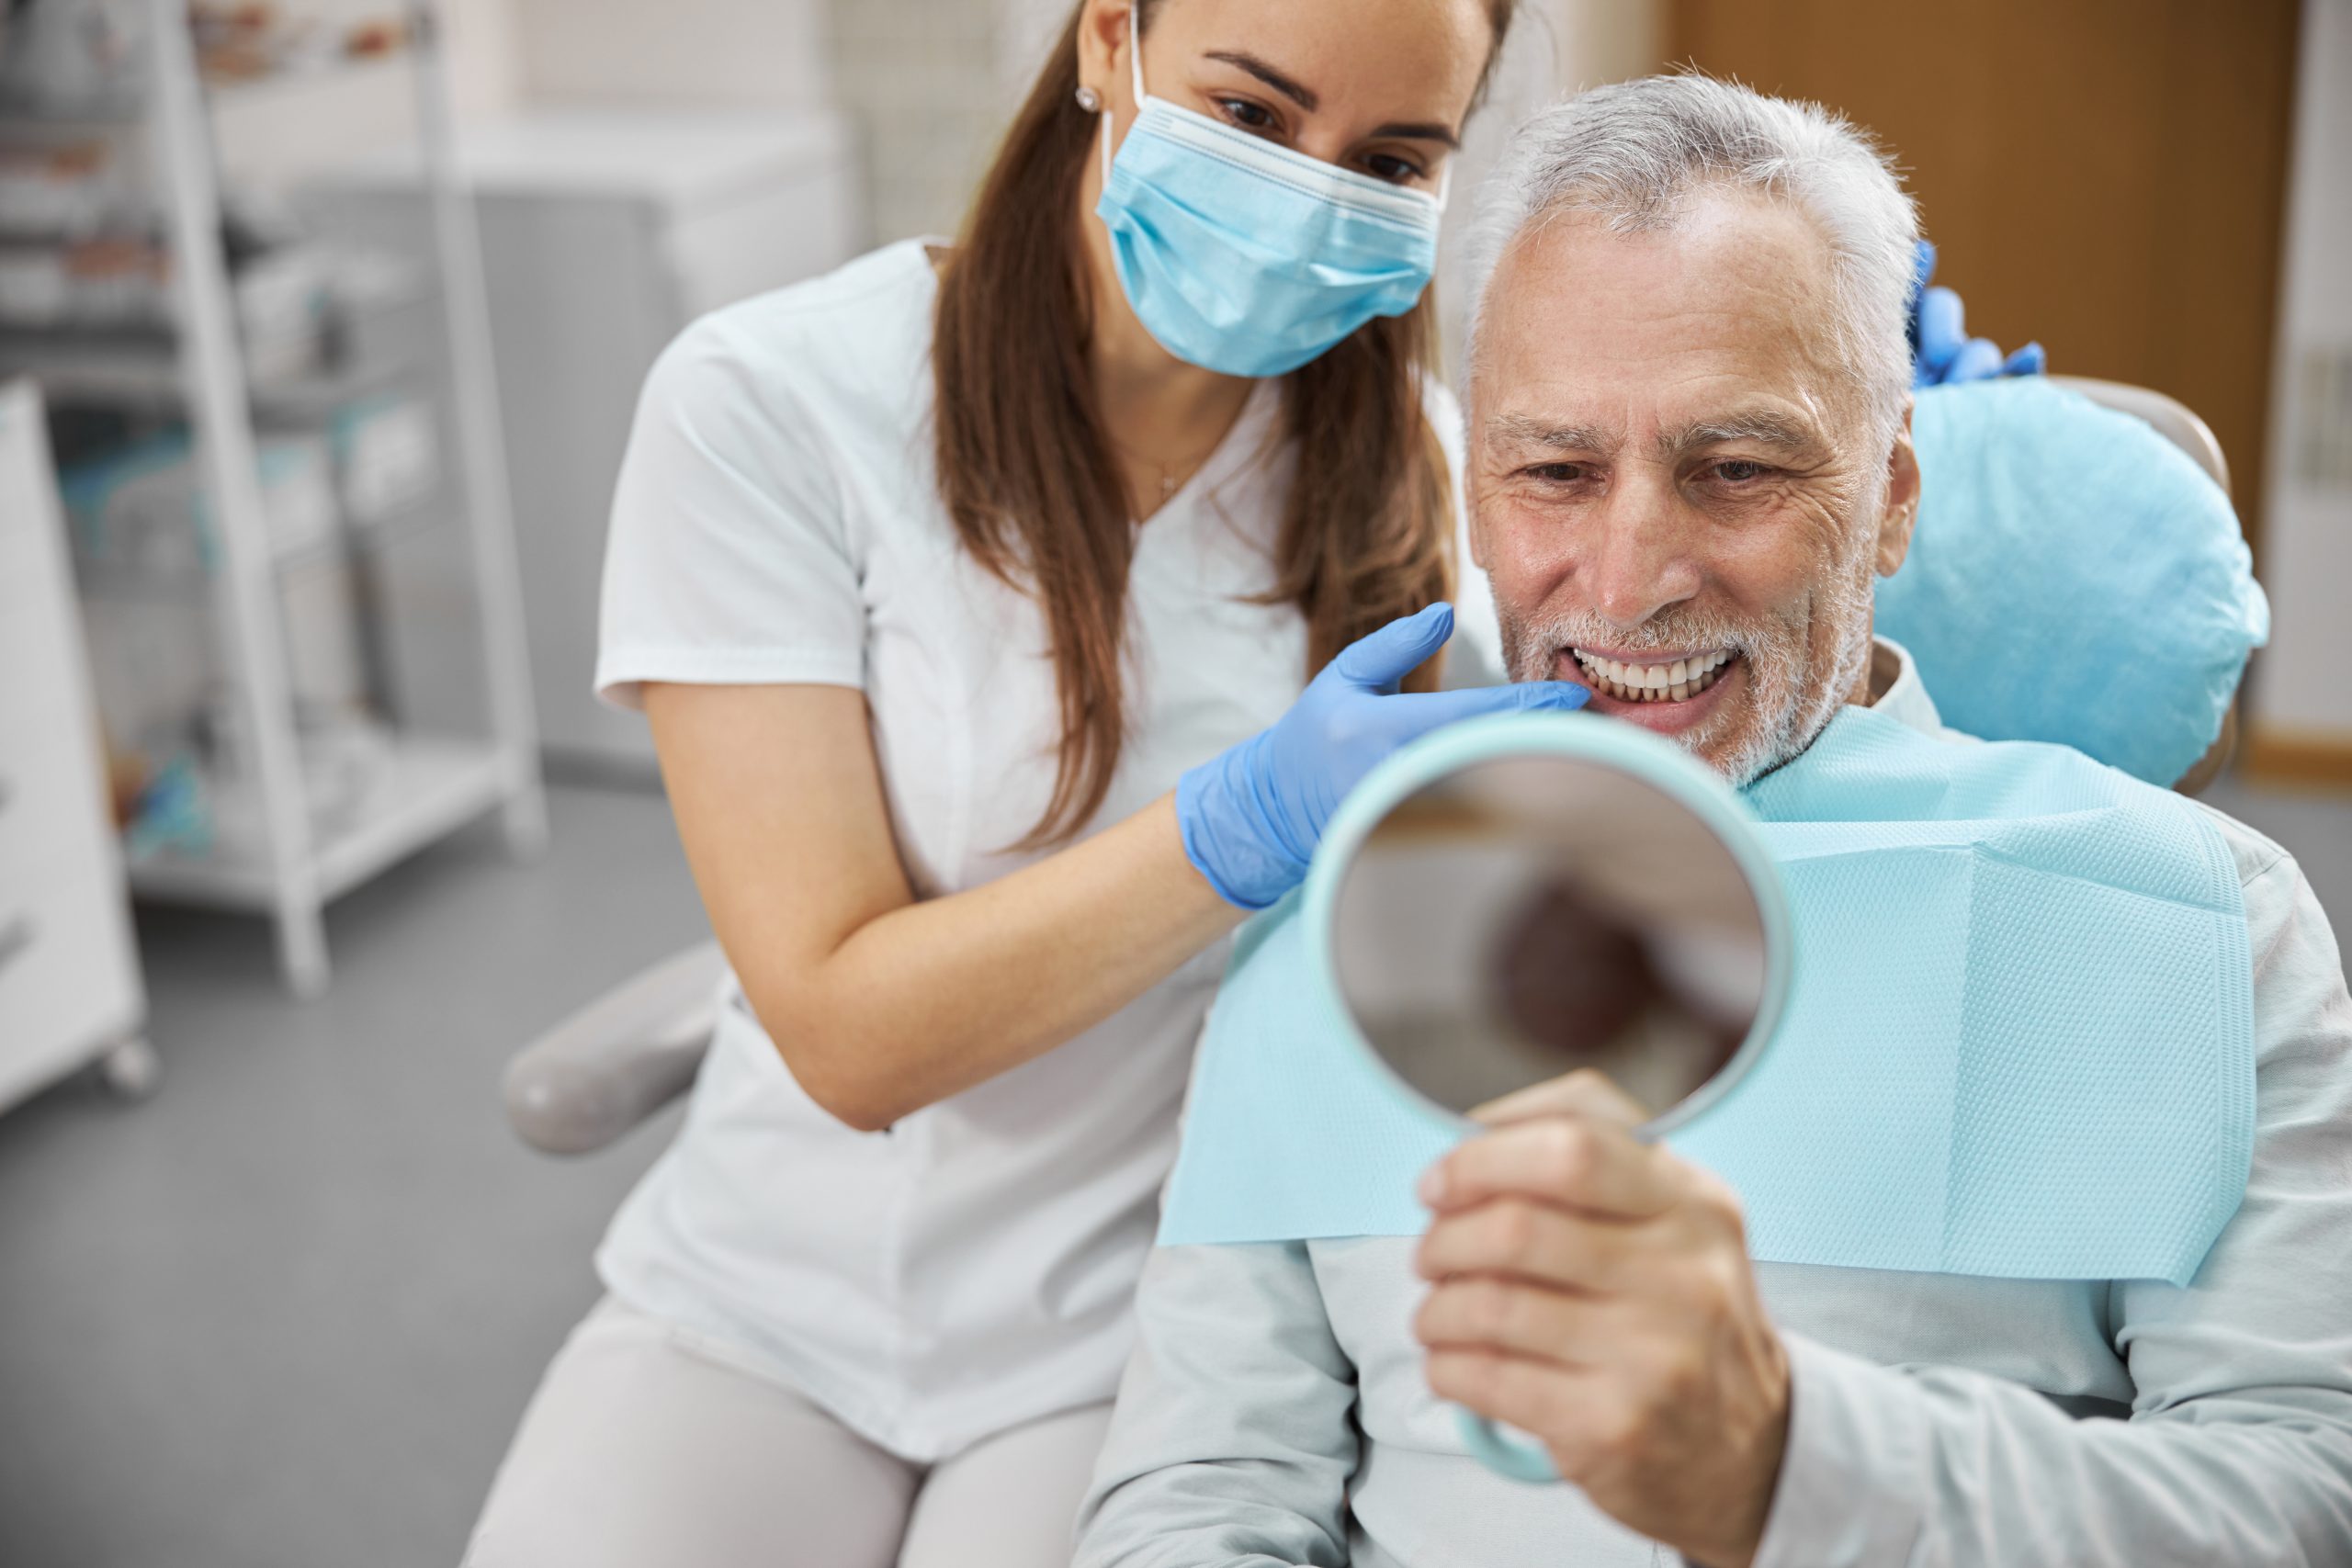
point(1942, 350)
point(1252, 814)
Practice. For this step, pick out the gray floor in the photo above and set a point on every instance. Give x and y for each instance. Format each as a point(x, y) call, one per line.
point(287, 1313)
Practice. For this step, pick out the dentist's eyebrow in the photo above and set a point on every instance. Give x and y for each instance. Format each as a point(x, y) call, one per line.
point(1304, 96)
point(1418, 131)
point(1307, 99)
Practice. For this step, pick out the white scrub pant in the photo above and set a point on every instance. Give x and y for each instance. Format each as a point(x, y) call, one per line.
point(644, 1449)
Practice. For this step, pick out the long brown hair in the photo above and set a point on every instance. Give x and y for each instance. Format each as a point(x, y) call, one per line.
point(1026, 470)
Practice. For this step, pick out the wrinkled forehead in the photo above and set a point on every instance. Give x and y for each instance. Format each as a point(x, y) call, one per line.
point(1732, 304)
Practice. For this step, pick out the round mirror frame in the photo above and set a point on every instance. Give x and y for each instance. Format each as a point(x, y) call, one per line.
point(1581, 737)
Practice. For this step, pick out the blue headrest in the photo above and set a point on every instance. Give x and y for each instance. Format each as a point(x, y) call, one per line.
point(2075, 577)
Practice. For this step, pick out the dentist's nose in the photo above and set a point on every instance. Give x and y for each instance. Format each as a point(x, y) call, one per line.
point(1639, 561)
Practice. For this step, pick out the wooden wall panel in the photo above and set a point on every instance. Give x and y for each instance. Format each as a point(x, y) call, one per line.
point(2106, 176)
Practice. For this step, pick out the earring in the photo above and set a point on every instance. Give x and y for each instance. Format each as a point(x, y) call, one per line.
point(1089, 100)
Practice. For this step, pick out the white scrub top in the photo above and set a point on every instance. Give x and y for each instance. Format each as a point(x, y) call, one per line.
point(777, 519)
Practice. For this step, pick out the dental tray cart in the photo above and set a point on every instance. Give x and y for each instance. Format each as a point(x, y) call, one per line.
point(70, 991)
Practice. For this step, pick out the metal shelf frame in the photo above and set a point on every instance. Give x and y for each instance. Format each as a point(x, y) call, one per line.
point(436, 784)
point(142, 365)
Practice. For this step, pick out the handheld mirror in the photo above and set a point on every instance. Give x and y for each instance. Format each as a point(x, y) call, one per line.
point(1515, 899)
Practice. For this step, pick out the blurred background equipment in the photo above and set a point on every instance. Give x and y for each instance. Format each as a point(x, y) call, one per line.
point(241, 435)
point(604, 232)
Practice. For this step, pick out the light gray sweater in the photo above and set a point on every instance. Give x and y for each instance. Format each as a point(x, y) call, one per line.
point(1274, 1411)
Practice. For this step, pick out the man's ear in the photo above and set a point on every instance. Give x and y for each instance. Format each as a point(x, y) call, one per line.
point(1900, 513)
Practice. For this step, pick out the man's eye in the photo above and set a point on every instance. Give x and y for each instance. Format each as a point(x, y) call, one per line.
point(1559, 473)
point(1247, 115)
point(1395, 170)
point(1740, 470)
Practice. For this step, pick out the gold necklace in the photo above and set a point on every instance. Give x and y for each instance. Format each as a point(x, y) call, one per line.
point(1171, 476)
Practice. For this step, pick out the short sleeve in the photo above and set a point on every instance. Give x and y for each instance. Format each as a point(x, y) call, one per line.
point(727, 562)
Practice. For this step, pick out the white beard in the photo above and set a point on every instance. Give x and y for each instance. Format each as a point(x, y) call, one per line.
point(1790, 700)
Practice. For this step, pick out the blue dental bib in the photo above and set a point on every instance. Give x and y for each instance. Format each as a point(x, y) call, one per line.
point(2018, 1041)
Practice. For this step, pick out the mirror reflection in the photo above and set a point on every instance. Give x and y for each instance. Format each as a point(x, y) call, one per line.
point(1528, 916)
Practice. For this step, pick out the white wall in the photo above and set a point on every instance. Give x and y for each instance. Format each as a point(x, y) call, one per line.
point(708, 53)
point(2301, 692)
point(931, 85)
point(1554, 47)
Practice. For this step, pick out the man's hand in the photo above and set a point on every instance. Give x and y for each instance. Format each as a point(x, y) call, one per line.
point(1595, 1291)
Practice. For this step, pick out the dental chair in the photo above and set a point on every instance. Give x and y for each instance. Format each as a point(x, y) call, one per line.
point(617, 1061)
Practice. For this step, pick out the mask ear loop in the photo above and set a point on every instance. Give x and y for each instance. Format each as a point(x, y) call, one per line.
point(1135, 73)
point(1135, 48)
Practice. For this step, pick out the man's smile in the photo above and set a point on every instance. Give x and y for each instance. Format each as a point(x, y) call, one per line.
point(1665, 692)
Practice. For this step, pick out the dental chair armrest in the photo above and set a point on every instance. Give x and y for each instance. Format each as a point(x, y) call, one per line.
point(620, 1059)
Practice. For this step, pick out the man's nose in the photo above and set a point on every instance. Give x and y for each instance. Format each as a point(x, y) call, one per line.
point(1640, 559)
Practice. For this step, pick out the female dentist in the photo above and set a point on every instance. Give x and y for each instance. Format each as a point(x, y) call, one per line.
point(935, 577)
point(970, 594)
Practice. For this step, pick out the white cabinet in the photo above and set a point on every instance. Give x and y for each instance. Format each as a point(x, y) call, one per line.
point(68, 973)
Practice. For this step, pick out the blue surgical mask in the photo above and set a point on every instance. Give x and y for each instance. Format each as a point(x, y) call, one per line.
point(1245, 257)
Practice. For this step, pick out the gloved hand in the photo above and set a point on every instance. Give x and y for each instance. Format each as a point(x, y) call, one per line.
point(1252, 814)
point(1942, 350)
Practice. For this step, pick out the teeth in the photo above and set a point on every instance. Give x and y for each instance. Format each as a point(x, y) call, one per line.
point(1673, 681)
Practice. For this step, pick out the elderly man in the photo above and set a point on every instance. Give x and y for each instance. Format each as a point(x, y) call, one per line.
point(1688, 460)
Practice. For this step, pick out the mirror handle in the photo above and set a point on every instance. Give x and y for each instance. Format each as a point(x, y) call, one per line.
point(1505, 1455)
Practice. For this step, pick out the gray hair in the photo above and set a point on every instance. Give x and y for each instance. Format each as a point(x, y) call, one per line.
point(1636, 153)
